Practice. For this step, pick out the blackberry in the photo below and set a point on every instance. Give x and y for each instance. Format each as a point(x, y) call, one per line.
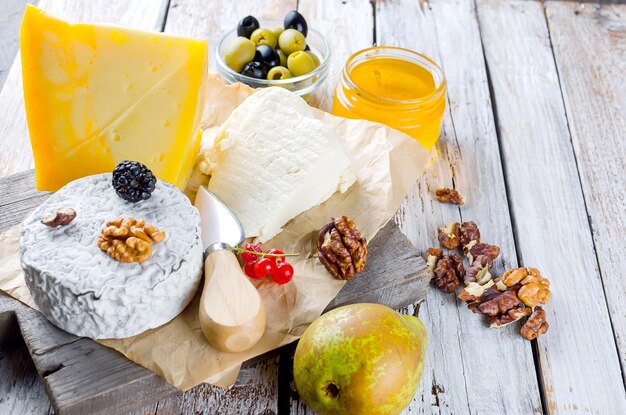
point(133, 181)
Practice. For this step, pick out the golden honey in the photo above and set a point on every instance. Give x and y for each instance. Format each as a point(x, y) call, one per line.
point(397, 87)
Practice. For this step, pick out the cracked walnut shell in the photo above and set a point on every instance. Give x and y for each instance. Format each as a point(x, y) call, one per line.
point(129, 240)
point(341, 248)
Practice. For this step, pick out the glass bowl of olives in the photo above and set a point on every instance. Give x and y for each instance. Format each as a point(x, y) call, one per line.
point(286, 54)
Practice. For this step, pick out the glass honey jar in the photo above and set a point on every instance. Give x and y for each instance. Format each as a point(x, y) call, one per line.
point(394, 86)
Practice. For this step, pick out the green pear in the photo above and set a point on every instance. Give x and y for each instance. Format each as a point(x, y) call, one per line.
point(360, 359)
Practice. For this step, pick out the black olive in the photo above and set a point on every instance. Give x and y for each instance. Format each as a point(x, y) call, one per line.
point(294, 20)
point(255, 70)
point(246, 26)
point(267, 56)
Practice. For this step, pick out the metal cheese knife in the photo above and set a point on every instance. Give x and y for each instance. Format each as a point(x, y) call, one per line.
point(232, 315)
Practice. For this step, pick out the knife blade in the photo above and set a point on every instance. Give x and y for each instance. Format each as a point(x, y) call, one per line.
point(219, 223)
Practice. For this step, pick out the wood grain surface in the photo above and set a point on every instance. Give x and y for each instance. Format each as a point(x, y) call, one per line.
point(548, 205)
point(590, 52)
point(455, 379)
point(349, 25)
point(533, 137)
point(10, 18)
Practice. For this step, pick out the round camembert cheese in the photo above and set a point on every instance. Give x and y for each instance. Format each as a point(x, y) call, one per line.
point(84, 291)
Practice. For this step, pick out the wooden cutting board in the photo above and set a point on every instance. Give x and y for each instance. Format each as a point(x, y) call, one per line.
point(82, 376)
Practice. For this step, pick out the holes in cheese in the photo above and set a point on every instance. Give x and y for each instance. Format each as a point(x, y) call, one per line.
point(99, 94)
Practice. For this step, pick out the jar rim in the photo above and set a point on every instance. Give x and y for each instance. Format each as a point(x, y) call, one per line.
point(401, 54)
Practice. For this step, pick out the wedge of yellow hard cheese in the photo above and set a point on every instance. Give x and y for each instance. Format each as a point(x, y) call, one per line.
point(99, 94)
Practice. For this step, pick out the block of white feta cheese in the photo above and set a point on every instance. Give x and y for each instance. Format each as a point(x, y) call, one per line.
point(84, 291)
point(272, 160)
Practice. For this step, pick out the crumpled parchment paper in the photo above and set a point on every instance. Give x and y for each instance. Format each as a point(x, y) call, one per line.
point(387, 164)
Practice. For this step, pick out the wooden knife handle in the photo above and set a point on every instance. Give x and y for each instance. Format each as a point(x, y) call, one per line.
point(232, 315)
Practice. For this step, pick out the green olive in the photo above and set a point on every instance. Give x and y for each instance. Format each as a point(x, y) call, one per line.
point(283, 58)
point(300, 63)
point(263, 36)
point(277, 31)
point(291, 41)
point(315, 58)
point(278, 72)
point(239, 52)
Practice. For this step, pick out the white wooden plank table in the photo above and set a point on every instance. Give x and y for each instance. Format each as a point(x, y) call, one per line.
point(534, 137)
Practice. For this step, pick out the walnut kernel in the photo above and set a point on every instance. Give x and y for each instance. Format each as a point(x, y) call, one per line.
point(446, 277)
point(469, 232)
point(446, 195)
point(473, 292)
point(475, 249)
point(534, 290)
point(61, 217)
point(450, 236)
point(536, 324)
point(511, 316)
point(341, 248)
point(479, 270)
point(129, 240)
point(495, 302)
point(433, 255)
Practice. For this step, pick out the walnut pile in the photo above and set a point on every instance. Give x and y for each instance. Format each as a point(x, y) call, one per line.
point(341, 248)
point(445, 195)
point(129, 240)
point(503, 300)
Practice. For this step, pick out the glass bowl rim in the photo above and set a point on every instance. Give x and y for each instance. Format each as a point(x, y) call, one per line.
point(391, 50)
point(272, 82)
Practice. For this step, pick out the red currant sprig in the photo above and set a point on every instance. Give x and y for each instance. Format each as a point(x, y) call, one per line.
point(271, 264)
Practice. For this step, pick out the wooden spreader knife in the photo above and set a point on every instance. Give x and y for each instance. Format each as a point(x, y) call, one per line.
point(232, 315)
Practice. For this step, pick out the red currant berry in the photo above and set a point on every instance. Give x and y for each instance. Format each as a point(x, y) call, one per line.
point(249, 269)
point(283, 274)
point(248, 256)
point(277, 259)
point(264, 268)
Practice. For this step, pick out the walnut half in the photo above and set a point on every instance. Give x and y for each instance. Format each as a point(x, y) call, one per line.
point(448, 272)
point(341, 248)
point(129, 240)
